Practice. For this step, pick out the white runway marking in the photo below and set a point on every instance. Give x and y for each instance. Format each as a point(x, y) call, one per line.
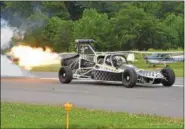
point(179, 85)
point(102, 81)
point(50, 78)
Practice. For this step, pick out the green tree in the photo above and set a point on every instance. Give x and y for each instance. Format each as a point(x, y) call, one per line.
point(114, 25)
point(133, 28)
point(57, 34)
point(55, 8)
point(93, 25)
point(173, 28)
point(108, 7)
point(169, 7)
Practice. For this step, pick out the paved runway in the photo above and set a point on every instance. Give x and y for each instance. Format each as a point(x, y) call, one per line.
point(157, 99)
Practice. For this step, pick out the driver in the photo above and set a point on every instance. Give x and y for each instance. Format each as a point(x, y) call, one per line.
point(118, 61)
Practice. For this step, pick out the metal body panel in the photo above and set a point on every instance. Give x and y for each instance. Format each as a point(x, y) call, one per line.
point(86, 65)
point(106, 75)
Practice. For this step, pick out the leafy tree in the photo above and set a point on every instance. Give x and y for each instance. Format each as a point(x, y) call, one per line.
point(55, 8)
point(74, 10)
point(133, 28)
point(93, 25)
point(108, 7)
point(57, 33)
point(173, 27)
point(149, 7)
point(169, 7)
point(114, 25)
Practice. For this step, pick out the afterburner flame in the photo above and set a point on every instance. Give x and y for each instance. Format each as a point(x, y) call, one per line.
point(29, 57)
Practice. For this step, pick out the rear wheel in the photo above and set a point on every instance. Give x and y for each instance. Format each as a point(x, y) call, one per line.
point(65, 75)
point(169, 77)
point(129, 78)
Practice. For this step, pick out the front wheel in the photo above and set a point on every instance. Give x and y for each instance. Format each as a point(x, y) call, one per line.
point(169, 77)
point(129, 78)
point(65, 75)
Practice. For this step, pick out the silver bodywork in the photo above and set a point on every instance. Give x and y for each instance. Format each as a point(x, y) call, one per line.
point(87, 53)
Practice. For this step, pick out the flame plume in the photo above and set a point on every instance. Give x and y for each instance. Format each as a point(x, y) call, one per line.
point(29, 57)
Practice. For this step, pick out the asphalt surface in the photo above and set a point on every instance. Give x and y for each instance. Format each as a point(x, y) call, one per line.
point(159, 100)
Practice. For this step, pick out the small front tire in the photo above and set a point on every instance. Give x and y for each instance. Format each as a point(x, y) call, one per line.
point(65, 75)
point(169, 77)
point(129, 78)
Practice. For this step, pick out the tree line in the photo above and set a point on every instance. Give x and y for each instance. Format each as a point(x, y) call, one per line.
point(115, 26)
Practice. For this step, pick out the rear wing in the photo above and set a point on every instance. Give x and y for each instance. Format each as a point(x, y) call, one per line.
point(84, 41)
point(83, 46)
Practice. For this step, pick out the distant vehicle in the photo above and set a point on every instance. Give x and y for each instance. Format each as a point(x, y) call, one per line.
point(163, 58)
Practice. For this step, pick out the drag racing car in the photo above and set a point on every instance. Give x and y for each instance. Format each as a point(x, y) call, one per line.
point(88, 64)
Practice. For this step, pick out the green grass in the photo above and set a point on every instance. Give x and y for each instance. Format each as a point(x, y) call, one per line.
point(177, 67)
point(162, 50)
point(18, 115)
point(169, 50)
point(47, 68)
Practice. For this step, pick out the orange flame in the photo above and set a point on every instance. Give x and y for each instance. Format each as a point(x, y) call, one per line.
point(29, 57)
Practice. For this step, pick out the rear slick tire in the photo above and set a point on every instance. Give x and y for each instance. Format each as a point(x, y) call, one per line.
point(65, 74)
point(129, 78)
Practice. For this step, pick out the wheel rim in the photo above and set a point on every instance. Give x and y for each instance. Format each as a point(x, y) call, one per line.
point(126, 76)
point(166, 76)
point(62, 75)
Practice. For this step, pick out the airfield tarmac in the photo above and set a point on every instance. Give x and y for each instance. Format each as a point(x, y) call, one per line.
point(45, 88)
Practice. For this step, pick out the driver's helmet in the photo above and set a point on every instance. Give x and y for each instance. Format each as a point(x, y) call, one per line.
point(118, 61)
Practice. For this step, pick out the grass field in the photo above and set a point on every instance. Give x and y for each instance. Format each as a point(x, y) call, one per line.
point(177, 67)
point(47, 68)
point(140, 63)
point(14, 115)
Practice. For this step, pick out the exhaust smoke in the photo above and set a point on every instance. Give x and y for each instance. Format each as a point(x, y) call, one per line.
point(8, 68)
point(27, 57)
point(6, 35)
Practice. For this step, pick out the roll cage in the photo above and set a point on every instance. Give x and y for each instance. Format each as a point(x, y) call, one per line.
point(87, 59)
point(86, 52)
